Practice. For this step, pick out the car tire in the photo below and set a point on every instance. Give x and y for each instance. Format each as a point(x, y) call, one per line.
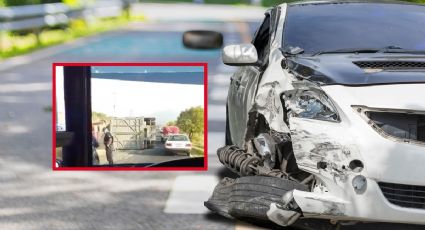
point(249, 198)
point(202, 39)
point(219, 201)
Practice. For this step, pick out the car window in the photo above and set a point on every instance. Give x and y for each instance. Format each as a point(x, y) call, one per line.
point(262, 38)
point(326, 27)
point(178, 138)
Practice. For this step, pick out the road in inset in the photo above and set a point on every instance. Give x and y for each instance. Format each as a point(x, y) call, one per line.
point(156, 154)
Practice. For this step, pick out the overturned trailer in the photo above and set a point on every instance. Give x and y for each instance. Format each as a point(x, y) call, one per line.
point(133, 133)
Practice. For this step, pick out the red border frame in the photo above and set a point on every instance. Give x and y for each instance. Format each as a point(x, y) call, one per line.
point(205, 65)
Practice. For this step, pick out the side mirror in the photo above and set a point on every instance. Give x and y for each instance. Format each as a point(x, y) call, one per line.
point(239, 55)
point(202, 39)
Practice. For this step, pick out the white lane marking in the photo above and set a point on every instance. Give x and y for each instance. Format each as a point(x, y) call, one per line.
point(198, 12)
point(221, 79)
point(15, 129)
point(215, 141)
point(178, 26)
point(218, 94)
point(217, 112)
point(28, 87)
point(189, 193)
point(227, 69)
point(13, 99)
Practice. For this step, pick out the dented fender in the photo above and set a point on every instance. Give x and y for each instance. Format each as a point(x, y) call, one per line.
point(267, 100)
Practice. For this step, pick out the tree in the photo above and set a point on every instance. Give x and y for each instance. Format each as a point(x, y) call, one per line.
point(191, 121)
point(171, 123)
point(97, 116)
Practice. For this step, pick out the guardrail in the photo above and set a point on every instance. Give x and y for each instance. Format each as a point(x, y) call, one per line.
point(37, 17)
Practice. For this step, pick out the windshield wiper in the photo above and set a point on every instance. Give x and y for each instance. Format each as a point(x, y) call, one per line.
point(395, 49)
point(348, 50)
point(386, 49)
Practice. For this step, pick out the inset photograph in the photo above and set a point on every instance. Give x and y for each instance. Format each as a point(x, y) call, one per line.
point(129, 116)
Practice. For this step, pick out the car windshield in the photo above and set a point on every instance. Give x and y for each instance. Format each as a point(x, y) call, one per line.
point(331, 27)
point(178, 138)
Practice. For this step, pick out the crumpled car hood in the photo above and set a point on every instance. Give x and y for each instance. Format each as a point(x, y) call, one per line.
point(341, 69)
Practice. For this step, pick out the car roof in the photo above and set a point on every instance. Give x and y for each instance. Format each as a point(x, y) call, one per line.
point(325, 2)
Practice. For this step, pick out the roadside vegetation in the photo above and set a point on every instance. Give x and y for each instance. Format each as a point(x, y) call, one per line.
point(191, 121)
point(17, 43)
point(197, 152)
point(97, 116)
point(14, 43)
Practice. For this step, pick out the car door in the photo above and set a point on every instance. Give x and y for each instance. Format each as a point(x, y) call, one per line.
point(244, 84)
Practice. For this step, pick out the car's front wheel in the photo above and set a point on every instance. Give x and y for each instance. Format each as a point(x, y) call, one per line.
point(248, 198)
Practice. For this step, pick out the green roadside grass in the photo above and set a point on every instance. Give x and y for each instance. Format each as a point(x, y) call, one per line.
point(197, 152)
point(197, 145)
point(14, 44)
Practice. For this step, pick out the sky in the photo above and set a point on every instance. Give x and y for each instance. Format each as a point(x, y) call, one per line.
point(160, 100)
point(145, 69)
point(164, 101)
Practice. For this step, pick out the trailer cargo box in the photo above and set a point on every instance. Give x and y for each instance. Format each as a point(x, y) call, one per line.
point(133, 133)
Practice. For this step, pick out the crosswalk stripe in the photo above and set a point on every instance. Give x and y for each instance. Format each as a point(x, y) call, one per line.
point(218, 94)
point(226, 68)
point(217, 112)
point(189, 193)
point(221, 79)
point(215, 141)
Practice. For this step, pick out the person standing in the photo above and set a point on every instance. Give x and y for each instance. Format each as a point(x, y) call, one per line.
point(95, 144)
point(109, 147)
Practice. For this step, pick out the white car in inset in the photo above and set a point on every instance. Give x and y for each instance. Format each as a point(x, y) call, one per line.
point(178, 143)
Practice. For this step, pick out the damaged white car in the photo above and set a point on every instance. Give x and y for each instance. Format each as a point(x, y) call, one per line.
point(326, 116)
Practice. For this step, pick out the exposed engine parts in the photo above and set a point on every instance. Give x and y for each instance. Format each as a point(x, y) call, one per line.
point(270, 154)
point(266, 150)
point(237, 160)
point(246, 163)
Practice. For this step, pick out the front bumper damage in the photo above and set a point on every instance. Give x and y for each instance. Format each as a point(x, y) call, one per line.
point(348, 160)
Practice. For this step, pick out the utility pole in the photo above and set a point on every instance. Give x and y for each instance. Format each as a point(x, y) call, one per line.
point(115, 101)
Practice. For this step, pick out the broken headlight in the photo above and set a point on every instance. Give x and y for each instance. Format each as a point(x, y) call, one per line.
point(313, 104)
